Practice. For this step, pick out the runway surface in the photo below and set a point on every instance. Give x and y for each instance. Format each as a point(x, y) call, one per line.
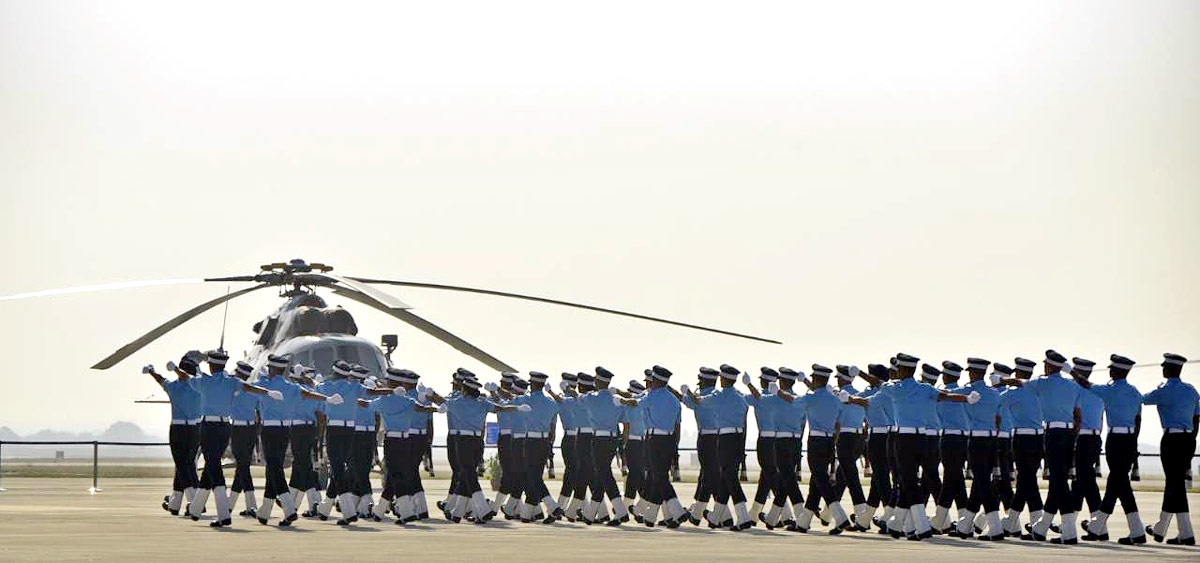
point(57, 520)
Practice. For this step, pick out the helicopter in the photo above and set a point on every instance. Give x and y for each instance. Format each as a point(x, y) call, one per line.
point(316, 335)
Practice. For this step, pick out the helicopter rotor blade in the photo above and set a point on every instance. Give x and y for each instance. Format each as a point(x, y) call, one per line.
point(128, 349)
point(381, 297)
point(98, 287)
point(429, 328)
point(565, 304)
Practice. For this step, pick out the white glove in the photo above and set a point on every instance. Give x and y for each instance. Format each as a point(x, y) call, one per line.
point(422, 388)
point(422, 394)
point(275, 395)
point(746, 379)
point(491, 387)
point(973, 397)
point(773, 387)
point(149, 368)
point(995, 379)
point(297, 370)
point(564, 385)
point(399, 391)
point(854, 371)
point(843, 396)
point(335, 399)
point(171, 366)
point(442, 409)
point(685, 390)
point(524, 408)
point(616, 400)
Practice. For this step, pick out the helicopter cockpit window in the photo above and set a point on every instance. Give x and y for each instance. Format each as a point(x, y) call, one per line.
point(268, 331)
point(322, 360)
point(356, 355)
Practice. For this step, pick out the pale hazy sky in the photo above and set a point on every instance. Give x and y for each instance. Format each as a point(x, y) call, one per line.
point(947, 179)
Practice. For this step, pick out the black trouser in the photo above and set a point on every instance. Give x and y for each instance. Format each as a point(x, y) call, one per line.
point(881, 483)
point(420, 444)
point(1059, 450)
point(567, 446)
point(909, 448)
point(983, 458)
point(363, 457)
point(183, 439)
point(214, 438)
point(768, 472)
point(894, 467)
point(1119, 450)
point(275, 442)
point(931, 484)
point(302, 436)
point(787, 456)
point(583, 464)
point(470, 454)
point(452, 451)
point(536, 450)
point(1176, 450)
point(242, 441)
point(820, 453)
point(505, 451)
point(1004, 460)
point(730, 449)
point(516, 467)
point(710, 471)
point(1084, 488)
point(395, 457)
point(954, 488)
point(661, 453)
point(849, 447)
point(339, 442)
point(1027, 449)
point(603, 482)
point(635, 461)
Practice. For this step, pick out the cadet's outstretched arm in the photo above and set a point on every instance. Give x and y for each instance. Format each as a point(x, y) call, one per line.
point(254, 389)
point(157, 378)
point(870, 379)
point(955, 397)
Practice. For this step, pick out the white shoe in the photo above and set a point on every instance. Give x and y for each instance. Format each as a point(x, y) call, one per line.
point(264, 513)
point(920, 519)
point(804, 519)
point(379, 511)
point(1069, 528)
point(198, 502)
point(222, 504)
point(839, 515)
point(941, 515)
point(862, 516)
point(1184, 520)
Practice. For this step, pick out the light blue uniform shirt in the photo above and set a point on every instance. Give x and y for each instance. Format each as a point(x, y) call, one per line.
point(731, 408)
point(1091, 411)
point(1177, 404)
point(1122, 402)
point(1006, 424)
point(852, 416)
point(365, 417)
point(603, 414)
point(879, 413)
point(982, 414)
point(662, 410)
point(245, 404)
point(397, 411)
point(635, 417)
point(216, 393)
point(350, 391)
point(931, 419)
point(507, 420)
point(823, 408)
point(568, 413)
point(545, 409)
point(766, 410)
point(270, 409)
point(911, 401)
point(468, 413)
point(952, 415)
point(791, 417)
point(1058, 396)
point(306, 410)
point(1024, 406)
point(185, 400)
point(705, 411)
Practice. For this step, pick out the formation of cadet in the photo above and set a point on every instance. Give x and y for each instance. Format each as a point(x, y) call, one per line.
point(919, 436)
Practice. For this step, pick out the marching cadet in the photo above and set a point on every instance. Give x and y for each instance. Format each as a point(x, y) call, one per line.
point(399, 406)
point(418, 435)
point(242, 440)
point(339, 437)
point(466, 416)
point(982, 414)
point(276, 419)
point(506, 453)
point(1179, 411)
point(911, 401)
point(1087, 444)
point(583, 448)
point(634, 435)
point(362, 456)
point(569, 417)
point(879, 422)
point(1027, 421)
point(544, 408)
point(303, 435)
point(931, 483)
point(766, 404)
point(605, 412)
point(184, 436)
point(731, 441)
point(1059, 399)
point(1003, 474)
point(822, 408)
point(849, 448)
point(1123, 408)
point(216, 402)
point(456, 387)
point(790, 421)
point(662, 411)
point(956, 431)
point(705, 413)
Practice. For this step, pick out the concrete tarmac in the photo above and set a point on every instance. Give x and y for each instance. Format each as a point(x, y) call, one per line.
point(58, 520)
